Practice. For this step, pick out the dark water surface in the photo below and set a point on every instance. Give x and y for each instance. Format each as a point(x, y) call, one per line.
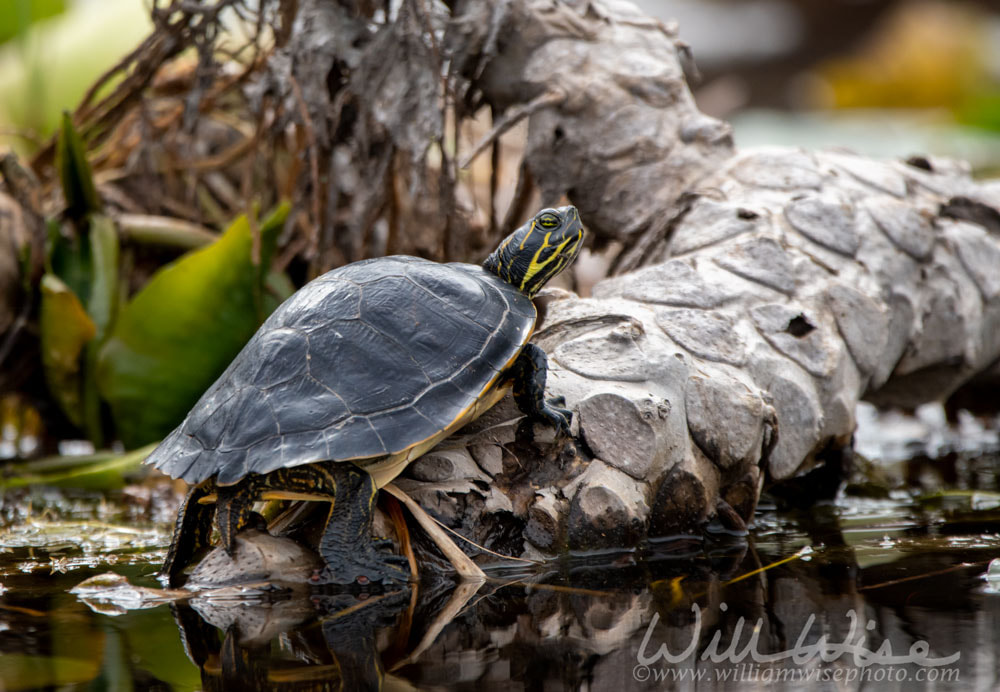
point(883, 592)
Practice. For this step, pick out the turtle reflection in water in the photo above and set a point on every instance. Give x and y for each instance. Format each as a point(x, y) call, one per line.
point(352, 378)
point(328, 641)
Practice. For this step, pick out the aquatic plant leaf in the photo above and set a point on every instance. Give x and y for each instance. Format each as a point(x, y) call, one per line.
point(74, 172)
point(178, 334)
point(102, 307)
point(102, 303)
point(68, 257)
point(100, 471)
point(65, 330)
point(87, 264)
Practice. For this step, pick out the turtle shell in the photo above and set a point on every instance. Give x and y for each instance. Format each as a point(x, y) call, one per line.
point(366, 361)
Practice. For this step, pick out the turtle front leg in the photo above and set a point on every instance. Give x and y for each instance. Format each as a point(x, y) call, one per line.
point(192, 532)
point(529, 373)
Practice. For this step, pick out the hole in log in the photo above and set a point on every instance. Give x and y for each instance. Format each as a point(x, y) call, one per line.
point(920, 162)
point(965, 209)
point(799, 326)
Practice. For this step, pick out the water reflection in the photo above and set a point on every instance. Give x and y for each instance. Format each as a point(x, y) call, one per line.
point(596, 622)
point(591, 624)
point(322, 641)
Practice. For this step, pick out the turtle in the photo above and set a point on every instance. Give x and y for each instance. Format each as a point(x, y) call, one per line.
point(351, 379)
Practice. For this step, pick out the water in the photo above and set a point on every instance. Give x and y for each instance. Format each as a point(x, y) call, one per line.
point(898, 571)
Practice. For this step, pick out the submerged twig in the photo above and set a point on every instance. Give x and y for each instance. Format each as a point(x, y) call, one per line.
point(914, 577)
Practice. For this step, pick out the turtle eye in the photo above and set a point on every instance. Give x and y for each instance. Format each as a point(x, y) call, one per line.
point(548, 220)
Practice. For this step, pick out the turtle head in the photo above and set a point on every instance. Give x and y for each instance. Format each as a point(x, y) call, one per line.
point(538, 250)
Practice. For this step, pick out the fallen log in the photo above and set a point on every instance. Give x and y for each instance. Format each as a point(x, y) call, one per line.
point(760, 295)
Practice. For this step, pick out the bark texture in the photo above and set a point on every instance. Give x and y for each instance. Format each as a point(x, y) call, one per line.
point(760, 295)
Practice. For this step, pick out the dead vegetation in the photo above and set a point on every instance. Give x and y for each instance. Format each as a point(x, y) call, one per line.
point(355, 112)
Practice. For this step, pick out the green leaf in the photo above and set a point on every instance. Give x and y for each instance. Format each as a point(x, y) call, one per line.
point(102, 307)
point(74, 172)
point(86, 262)
point(65, 330)
point(102, 470)
point(182, 329)
point(68, 257)
point(102, 303)
point(17, 16)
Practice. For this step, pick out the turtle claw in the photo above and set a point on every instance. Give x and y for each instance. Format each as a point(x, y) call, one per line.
point(565, 419)
point(558, 418)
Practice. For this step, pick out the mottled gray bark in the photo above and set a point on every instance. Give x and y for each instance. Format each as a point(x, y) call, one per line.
point(772, 289)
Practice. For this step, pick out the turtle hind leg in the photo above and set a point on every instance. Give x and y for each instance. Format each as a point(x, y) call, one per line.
point(347, 547)
point(192, 532)
point(234, 510)
point(529, 374)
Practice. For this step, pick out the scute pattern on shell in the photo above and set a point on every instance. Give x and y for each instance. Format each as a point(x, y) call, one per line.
point(366, 360)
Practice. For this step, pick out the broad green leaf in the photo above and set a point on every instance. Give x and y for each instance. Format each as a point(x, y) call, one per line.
point(87, 264)
point(102, 307)
point(102, 303)
point(74, 172)
point(68, 257)
point(65, 331)
point(178, 334)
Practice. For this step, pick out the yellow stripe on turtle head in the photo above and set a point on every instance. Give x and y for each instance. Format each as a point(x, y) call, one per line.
point(531, 229)
point(527, 259)
point(558, 257)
